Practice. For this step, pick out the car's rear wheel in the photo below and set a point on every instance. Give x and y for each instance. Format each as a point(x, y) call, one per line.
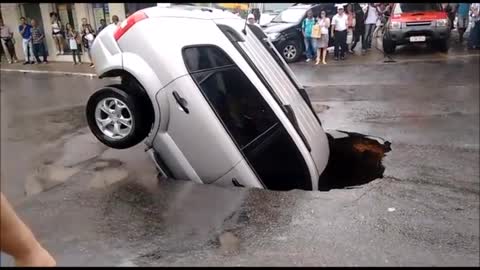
point(291, 51)
point(388, 46)
point(118, 119)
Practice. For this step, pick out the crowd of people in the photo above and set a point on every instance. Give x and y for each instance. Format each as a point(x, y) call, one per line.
point(348, 27)
point(355, 24)
point(64, 36)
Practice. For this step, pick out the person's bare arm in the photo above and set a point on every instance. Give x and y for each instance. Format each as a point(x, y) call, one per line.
point(18, 240)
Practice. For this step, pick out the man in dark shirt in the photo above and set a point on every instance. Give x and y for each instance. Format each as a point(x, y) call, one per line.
point(359, 29)
point(103, 24)
point(25, 30)
point(37, 39)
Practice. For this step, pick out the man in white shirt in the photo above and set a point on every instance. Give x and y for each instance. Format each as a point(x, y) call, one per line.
point(339, 33)
point(371, 17)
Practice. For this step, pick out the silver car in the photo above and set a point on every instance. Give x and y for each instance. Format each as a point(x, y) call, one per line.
point(211, 97)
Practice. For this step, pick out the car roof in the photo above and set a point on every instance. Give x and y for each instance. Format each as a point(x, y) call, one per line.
point(187, 11)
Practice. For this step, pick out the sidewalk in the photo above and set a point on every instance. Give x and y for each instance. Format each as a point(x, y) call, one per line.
point(62, 68)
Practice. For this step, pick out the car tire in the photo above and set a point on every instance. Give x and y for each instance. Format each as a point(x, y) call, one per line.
point(291, 51)
point(442, 45)
point(126, 118)
point(388, 46)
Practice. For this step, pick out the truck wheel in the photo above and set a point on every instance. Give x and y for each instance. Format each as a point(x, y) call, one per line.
point(118, 119)
point(291, 51)
point(388, 46)
point(443, 45)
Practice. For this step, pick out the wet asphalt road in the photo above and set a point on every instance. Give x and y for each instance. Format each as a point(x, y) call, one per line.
point(105, 207)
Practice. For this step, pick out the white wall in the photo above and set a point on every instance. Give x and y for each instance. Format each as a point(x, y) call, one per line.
point(11, 18)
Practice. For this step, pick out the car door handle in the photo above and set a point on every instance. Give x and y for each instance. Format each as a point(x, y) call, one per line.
point(181, 101)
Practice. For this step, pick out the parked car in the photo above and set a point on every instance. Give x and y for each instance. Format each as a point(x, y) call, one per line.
point(417, 23)
point(285, 30)
point(218, 105)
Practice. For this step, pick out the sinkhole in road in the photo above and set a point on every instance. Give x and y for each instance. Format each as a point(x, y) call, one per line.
point(355, 159)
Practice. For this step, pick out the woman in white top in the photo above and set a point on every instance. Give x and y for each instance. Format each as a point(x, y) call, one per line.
point(322, 42)
point(57, 33)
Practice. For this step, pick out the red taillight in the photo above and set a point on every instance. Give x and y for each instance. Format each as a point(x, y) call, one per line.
point(129, 22)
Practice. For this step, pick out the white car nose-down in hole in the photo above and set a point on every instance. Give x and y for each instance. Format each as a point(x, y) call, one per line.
point(212, 98)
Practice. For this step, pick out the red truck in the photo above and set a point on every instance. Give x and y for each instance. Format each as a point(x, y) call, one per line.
point(417, 23)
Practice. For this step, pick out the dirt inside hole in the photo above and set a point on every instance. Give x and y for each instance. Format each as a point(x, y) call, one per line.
point(355, 159)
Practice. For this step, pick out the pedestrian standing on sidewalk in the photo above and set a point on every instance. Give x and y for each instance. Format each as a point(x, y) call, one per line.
point(38, 46)
point(339, 33)
point(115, 20)
point(88, 35)
point(6, 36)
point(359, 29)
point(474, 37)
point(451, 9)
point(25, 30)
point(57, 32)
point(307, 26)
point(74, 42)
point(322, 43)
point(103, 24)
point(18, 240)
point(371, 17)
point(350, 26)
point(462, 19)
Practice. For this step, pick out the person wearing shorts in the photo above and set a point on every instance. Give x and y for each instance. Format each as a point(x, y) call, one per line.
point(57, 33)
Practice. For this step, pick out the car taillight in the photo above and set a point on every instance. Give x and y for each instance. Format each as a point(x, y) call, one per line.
point(129, 22)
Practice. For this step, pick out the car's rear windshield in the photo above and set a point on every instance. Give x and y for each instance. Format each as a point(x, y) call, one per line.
point(416, 7)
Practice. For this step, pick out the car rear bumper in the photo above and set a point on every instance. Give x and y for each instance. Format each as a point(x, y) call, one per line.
point(402, 36)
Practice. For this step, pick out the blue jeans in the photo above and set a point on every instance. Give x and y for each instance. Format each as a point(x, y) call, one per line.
point(310, 47)
point(367, 38)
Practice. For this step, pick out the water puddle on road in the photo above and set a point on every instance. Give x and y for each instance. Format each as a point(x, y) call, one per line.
point(355, 159)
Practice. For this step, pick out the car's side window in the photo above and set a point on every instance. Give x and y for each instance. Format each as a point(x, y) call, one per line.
point(204, 57)
point(234, 98)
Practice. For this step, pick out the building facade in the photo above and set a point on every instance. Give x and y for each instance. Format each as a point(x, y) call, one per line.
point(69, 13)
point(73, 13)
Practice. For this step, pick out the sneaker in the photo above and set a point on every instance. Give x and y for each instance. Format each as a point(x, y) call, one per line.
point(342, 58)
point(350, 52)
point(335, 58)
point(45, 62)
point(364, 52)
point(62, 53)
point(308, 60)
point(9, 61)
point(26, 63)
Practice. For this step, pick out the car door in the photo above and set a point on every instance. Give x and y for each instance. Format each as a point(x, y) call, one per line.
point(206, 152)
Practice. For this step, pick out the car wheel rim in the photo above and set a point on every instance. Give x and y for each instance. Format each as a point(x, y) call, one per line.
point(289, 52)
point(113, 118)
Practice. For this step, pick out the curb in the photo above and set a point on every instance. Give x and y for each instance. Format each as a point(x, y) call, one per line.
point(91, 75)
